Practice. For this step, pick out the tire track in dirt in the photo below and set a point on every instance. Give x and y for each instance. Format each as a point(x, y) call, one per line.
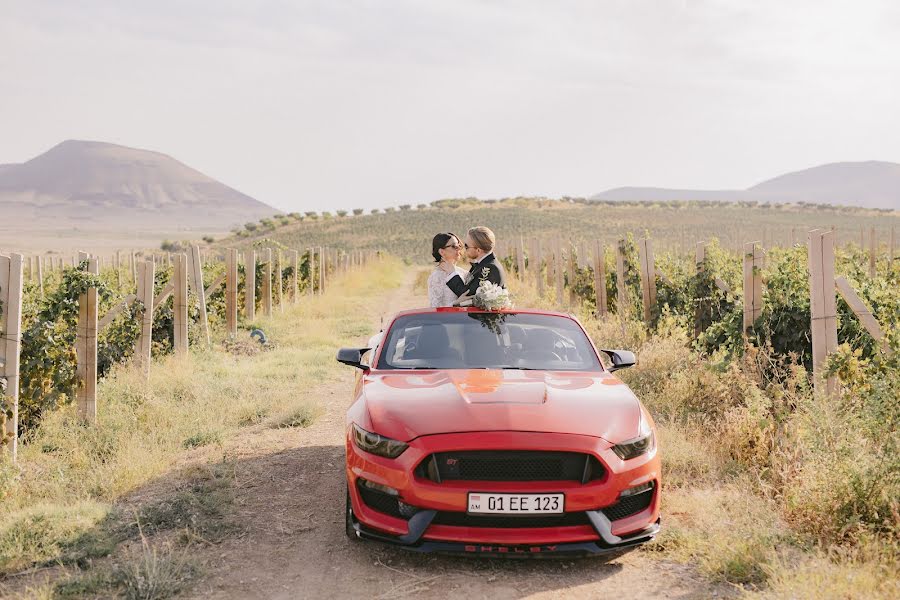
point(289, 502)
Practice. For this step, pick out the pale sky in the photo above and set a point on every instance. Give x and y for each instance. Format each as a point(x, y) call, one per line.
point(343, 104)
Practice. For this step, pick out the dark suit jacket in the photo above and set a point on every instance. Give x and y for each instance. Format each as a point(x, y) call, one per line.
point(488, 269)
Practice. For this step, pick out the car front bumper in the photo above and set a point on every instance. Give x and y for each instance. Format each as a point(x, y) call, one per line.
point(592, 531)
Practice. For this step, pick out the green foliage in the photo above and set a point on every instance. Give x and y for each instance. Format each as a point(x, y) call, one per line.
point(47, 361)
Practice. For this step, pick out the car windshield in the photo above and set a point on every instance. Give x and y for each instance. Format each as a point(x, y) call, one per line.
point(477, 340)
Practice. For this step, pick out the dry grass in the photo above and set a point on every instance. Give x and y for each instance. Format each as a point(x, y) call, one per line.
point(765, 486)
point(71, 474)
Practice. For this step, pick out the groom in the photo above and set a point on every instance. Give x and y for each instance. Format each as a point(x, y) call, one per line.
point(479, 246)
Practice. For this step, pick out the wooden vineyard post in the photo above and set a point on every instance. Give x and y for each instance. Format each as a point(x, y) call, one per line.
point(134, 278)
point(873, 252)
point(278, 282)
point(891, 252)
point(231, 291)
point(321, 270)
point(648, 279)
point(12, 274)
point(295, 279)
point(311, 271)
point(250, 285)
point(558, 272)
point(520, 256)
point(823, 306)
point(196, 279)
point(86, 350)
point(536, 266)
point(862, 312)
point(699, 309)
point(570, 272)
point(145, 277)
point(40, 274)
point(753, 265)
point(266, 290)
point(621, 290)
point(180, 303)
point(583, 260)
point(600, 279)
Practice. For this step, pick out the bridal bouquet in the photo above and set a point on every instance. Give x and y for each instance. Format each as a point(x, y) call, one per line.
point(491, 296)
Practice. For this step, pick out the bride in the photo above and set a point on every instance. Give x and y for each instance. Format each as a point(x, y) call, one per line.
point(446, 249)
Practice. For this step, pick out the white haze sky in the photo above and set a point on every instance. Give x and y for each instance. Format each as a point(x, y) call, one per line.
point(343, 104)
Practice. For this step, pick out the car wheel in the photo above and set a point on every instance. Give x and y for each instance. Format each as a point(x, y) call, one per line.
point(348, 519)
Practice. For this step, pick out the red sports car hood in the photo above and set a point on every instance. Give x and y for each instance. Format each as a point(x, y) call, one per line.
point(404, 406)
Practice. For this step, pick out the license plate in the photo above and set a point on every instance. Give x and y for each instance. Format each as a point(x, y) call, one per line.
point(516, 504)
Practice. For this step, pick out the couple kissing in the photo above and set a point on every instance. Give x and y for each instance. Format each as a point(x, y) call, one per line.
point(449, 284)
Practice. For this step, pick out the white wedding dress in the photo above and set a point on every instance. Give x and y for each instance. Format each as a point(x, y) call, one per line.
point(438, 292)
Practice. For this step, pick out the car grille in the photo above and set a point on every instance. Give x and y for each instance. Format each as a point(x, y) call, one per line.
point(461, 519)
point(630, 505)
point(383, 503)
point(494, 465)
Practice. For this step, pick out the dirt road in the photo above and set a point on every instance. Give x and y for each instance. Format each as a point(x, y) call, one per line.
point(289, 503)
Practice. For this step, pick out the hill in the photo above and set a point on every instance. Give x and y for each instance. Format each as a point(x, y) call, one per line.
point(96, 185)
point(408, 233)
point(870, 184)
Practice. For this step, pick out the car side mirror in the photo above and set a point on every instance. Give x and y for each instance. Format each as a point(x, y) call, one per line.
point(352, 357)
point(621, 359)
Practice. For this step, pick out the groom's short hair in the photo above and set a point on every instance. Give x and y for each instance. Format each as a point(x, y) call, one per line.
point(483, 237)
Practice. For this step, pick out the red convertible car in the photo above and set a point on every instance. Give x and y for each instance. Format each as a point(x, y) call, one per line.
point(497, 433)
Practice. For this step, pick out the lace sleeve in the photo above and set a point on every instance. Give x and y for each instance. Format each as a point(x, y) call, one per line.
point(436, 288)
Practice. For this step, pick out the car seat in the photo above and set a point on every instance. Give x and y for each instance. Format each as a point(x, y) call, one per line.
point(433, 346)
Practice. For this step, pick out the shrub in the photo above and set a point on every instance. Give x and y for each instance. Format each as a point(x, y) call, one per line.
point(170, 246)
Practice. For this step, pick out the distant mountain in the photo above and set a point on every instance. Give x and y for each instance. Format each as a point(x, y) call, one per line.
point(86, 184)
point(870, 184)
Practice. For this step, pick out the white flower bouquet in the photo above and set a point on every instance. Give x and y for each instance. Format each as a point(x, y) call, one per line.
point(491, 296)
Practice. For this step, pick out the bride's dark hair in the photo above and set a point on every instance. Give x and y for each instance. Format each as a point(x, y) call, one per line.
point(439, 241)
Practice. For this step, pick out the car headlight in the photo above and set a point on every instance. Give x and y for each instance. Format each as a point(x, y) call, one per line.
point(377, 444)
point(642, 444)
